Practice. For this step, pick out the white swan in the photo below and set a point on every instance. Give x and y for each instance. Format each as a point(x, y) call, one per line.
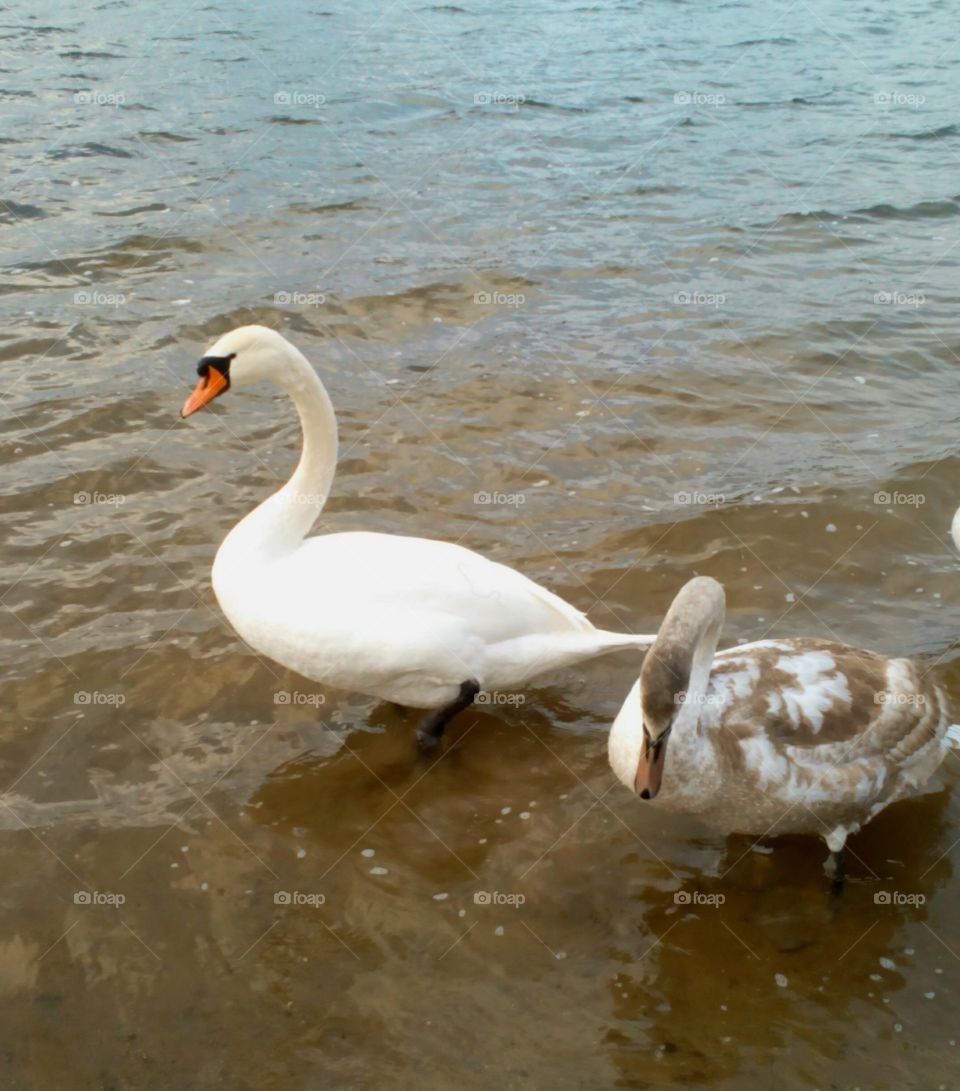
point(778, 736)
point(415, 621)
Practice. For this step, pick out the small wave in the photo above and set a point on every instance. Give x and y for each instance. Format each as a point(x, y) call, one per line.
point(762, 41)
point(538, 104)
point(926, 134)
point(160, 136)
point(11, 211)
point(90, 148)
point(136, 211)
point(141, 252)
point(280, 119)
point(923, 210)
point(220, 130)
point(655, 191)
point(797, 100)
point(320, 210)
point(90, 55)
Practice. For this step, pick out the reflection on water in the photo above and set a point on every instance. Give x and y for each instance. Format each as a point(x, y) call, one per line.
point(680, 279)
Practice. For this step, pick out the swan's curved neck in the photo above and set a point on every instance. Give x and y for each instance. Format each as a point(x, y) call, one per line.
point(688, 718)
point(681, 657)
point(284, 519)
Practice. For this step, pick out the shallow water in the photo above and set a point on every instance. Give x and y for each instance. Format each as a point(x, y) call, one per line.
point(676, 288)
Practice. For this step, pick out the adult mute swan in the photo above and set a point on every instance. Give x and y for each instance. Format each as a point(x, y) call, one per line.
point(778, 736)
point(415, 621)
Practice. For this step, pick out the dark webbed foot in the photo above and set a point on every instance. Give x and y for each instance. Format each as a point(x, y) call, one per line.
point(427, 742)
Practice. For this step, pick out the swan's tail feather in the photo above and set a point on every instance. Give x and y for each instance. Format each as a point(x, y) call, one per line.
point(642, 641)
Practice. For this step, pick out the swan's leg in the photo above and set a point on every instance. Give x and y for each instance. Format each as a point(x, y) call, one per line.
point(432, 725)
point(836, 866)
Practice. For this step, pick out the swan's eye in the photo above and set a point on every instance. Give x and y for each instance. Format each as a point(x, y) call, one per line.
point(218, 363)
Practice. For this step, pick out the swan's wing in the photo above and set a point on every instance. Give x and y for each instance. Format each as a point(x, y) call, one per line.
point(421, 574)
point(829, 703)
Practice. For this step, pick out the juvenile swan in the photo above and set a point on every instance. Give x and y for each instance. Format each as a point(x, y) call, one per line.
point(779, 736)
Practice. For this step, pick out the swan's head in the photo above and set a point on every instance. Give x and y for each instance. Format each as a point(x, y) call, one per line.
point(246, 355)
point(674, 675)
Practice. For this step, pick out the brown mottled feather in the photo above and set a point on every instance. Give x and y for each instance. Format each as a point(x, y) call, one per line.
point(873, 720)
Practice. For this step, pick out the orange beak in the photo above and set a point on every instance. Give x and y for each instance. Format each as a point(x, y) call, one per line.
point(207, 388)
point(650, 766)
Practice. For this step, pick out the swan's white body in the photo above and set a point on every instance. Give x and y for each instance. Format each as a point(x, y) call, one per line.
point(778, 736)
point(408, 620)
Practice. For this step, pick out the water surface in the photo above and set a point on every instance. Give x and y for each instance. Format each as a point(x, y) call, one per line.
point(675, 283)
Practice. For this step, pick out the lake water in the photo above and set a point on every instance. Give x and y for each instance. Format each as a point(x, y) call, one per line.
point(673, 287)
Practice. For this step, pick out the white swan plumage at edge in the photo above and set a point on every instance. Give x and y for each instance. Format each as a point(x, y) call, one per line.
point(955, 528)
point(778, 736)
point(408, 620)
